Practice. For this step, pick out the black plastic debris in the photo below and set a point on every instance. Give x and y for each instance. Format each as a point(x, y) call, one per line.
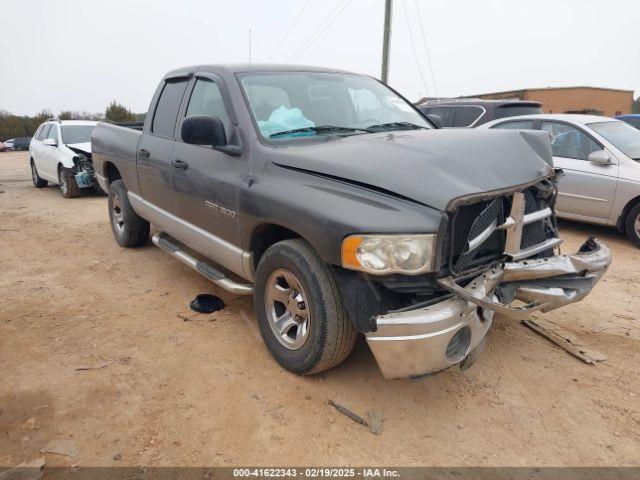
point(207, 303)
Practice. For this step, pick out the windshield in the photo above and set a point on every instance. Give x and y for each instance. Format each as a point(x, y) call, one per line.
point(623, 136)
point(294, 104)
point(76, 133)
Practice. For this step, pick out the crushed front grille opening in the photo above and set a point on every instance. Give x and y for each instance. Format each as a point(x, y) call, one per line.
point(475, 243)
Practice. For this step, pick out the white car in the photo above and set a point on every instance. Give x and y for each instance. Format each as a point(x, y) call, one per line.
point(600, 157)
point(60, 153)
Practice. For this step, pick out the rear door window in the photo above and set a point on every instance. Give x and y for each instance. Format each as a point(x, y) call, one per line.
point(166, 114)
point(466, 116)
point(569, 142)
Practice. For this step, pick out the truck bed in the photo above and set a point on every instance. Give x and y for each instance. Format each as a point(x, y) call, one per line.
point(115, 145)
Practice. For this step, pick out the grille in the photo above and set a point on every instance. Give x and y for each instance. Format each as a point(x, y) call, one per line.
point(469, 221)
point(483, 233)
point(533, 233)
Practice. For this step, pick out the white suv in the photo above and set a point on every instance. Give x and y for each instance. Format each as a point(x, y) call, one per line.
point(60, 153)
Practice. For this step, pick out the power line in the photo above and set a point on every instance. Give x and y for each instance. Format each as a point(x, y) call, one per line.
point(286, 35)
point(326, 23)
point(413, 48)
point(426, 47)
point(328, 20)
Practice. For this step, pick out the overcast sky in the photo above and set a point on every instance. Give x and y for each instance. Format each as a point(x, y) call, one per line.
point(81, 54)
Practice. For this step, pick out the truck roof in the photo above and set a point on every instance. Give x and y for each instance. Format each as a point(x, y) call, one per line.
point(232, 68)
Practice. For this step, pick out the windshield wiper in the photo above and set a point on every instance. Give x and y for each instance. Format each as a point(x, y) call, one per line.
point(319, 129)
point(394, 126)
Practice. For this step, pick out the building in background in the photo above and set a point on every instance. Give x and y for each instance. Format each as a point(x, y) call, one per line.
point(592, 100)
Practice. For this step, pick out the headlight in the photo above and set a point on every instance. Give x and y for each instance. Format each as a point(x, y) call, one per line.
point(384, 254)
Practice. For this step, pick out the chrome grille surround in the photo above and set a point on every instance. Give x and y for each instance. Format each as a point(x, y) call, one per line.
point(513, 225)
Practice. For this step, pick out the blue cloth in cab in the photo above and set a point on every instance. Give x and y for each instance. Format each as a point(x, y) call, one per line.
point(282, 119)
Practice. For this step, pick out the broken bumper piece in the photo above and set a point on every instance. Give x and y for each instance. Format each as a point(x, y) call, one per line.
point(433, 338)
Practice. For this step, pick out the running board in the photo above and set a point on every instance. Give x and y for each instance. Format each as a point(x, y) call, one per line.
point(165, 243)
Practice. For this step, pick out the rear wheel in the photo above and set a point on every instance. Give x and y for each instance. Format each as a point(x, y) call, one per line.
point(301, 314)
point(632, 225)
point(67, 183)
point(37, 181)
point(129, 229)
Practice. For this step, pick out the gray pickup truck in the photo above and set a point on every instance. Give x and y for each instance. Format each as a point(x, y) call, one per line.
point(342, 209)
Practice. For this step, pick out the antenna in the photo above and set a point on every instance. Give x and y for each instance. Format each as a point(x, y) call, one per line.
point(249, 46)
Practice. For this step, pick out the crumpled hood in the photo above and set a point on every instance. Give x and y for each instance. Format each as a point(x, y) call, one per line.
point(432, 167)
point(84, 147)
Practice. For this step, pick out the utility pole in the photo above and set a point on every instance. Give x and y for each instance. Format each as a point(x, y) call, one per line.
point(386, 40)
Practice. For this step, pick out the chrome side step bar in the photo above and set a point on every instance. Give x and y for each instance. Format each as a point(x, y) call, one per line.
point(165, 243)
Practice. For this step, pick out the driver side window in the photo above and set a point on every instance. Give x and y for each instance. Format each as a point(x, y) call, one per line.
point(569, 142)
point(44, 132)
point(53, 133)
point(206, 99)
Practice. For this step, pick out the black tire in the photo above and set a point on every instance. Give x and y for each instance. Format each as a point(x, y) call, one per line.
point(129, 229)
point(330, 334)
point(99, 191)
point(67, 183)
point(37, 181)
point(632, 225)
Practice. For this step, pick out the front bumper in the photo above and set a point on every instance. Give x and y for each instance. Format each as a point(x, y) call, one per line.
point(433, 338)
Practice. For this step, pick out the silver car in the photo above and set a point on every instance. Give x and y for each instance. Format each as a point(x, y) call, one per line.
point(600, 157)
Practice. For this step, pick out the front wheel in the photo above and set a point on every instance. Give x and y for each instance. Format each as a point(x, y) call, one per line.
point(37, 181)
point(301, 314)
point(129, 229)
point(67, 183)
point(632, 225)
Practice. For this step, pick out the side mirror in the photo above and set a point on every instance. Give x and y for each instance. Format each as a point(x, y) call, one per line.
point(50, 142)
point(203, 130)
point(435, 119)
point(601, 157)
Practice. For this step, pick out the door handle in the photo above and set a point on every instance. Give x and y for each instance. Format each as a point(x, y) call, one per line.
point(143, 152)
point(177, 163)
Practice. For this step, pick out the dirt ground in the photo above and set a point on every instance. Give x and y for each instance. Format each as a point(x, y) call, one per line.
point(93, 352)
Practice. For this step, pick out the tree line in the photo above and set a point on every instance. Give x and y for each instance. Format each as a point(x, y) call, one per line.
point(12, 126)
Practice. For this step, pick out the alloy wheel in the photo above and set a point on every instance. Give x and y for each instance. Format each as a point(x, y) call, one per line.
point(62, 179)
point(287, 309)
point(117, 216)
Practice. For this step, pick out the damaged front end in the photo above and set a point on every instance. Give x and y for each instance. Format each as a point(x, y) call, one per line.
point(83, 170)
point(492, 262)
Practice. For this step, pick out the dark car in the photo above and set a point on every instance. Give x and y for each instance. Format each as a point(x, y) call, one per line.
point(471, 112)
point(333, 201)
point(21, 143)
point(632, 119)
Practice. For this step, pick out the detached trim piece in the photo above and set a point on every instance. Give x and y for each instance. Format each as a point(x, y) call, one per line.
point(546, 283)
